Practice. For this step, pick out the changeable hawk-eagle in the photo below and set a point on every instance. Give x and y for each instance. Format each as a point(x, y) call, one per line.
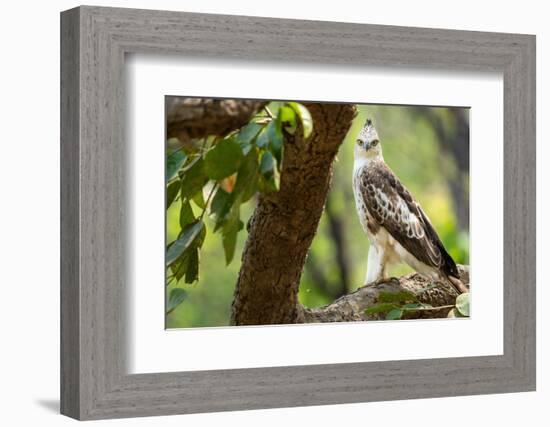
point(398, 229)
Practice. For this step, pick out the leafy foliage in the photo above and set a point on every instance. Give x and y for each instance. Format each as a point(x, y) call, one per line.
point(223, 159)
point(305, 117)
point(174, 161)
point(177, 296)
point(231, 171)
point(395, 305)
point(188, 237)
point(462, 306)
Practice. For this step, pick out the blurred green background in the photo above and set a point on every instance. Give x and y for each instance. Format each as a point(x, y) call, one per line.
point(426, 147)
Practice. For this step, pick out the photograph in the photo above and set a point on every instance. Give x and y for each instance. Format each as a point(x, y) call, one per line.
point(293, 212)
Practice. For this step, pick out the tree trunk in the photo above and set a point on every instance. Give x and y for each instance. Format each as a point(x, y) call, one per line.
point(284, 223)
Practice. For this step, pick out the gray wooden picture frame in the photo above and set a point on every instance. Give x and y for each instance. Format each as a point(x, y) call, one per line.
point(94, 41)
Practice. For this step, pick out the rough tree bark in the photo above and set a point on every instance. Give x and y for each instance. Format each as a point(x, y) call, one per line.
point(190, 118)
point(284, 223)
point(351, 307)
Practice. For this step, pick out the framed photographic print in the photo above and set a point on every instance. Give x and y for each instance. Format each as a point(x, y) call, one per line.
point(323, 212)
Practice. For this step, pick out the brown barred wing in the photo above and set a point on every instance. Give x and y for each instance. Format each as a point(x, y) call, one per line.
point(393, 207)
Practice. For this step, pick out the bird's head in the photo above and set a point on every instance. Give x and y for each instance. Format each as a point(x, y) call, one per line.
point(367, 144)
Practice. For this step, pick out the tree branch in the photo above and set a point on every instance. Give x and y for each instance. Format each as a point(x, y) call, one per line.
point(191, 118)
point(285, 222)
point(351, 307)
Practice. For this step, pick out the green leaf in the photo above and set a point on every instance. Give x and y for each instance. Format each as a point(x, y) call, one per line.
point(220, 207)
point(380, 308)
point(288, 119)
point(179, 266)
point(199, 200)
point(247, 135)
point(186, 239)
point(231, 227)
point(223, 160)
point(177, 296)
point(193, 179)
point(229, 241)
point(305, 117)
point(171, 192)
point(275, 135)
point(262, 139)
point(186, 264)
point(197, 243)
point(192, 271)
point(398, 297)
point(270, 177)
point(463, 304)
point(267, 164)
point(174, 162)
point(247, 177)
point(394, 314)
point(186, 214)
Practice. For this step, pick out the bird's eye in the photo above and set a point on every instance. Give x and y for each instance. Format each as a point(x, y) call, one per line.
point(374, 142)
point(359, 142)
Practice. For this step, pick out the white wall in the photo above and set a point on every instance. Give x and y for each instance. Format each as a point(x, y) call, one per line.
point(29, 226)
